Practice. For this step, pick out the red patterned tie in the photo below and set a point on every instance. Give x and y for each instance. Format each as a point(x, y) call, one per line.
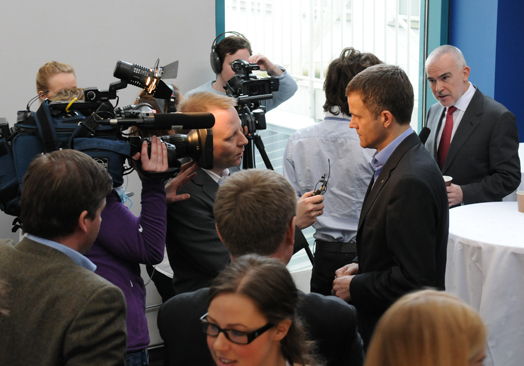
point(445, 140)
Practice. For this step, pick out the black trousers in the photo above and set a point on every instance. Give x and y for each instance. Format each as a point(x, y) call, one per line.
point(328, 258)
point(163, 284)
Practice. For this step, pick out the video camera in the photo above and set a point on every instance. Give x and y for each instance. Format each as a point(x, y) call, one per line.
point(98, 128)
point(248, 90)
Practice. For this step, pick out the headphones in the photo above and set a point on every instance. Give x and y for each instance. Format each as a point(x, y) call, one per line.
point(216, 64)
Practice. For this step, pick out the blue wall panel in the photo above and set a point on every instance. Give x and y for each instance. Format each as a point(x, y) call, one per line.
point(490, 33)
point(473, 29)
point(509, 76)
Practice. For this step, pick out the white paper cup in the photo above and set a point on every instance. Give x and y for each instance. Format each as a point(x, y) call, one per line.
point(447, 179)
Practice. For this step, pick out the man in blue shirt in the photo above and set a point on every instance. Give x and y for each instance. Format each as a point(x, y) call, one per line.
point(403, 226)
point(306, 158)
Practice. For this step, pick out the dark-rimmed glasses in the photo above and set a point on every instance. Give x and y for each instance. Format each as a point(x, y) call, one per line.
point(235, 336)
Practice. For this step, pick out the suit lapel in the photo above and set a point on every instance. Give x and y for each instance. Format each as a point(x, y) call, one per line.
point(435, 124)
point(368, 201)
point(468, 124)
point(206, 183)
point(385, 174)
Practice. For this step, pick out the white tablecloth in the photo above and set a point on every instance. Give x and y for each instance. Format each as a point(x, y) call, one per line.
point(485, 268)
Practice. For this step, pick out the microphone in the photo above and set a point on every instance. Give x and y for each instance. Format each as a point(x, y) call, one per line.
point(193, 120)
point(424, 134)
point(163, 121)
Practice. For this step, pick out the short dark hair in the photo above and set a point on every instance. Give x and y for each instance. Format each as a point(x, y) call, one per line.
point(230, 45)
point(268, 283)
point(57, 188)
point(340, 72)
point(253, 211)
point(384, 87)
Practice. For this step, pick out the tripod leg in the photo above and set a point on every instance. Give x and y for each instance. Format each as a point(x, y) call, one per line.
point(309, 254)
point(261, 149)
point(248, 159)
point(301, 243)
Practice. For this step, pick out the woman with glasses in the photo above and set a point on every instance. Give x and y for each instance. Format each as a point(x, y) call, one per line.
point(251, 319)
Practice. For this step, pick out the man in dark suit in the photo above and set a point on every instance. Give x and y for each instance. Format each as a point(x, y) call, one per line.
point(255, 214)
point(477, 144)
point(194, 249)
point(195, 252)
point(59, 311)
point(403, 227)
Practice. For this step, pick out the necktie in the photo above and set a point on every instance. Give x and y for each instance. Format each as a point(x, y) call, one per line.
point(445, 140)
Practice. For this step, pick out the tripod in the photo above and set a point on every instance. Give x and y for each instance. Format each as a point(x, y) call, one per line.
point(253, 120)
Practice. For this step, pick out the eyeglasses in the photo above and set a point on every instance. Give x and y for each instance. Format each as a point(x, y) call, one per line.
point(235, 336)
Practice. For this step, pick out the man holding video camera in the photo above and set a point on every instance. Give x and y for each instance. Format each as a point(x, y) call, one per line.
point(236, 47)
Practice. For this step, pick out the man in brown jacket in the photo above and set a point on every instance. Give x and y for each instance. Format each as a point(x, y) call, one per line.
point(59, 311)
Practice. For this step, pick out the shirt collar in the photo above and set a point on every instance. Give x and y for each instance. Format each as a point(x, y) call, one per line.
point(463, 102)
point(383, 156)
point(341, 115)
point(215, 176)
point(75, 256)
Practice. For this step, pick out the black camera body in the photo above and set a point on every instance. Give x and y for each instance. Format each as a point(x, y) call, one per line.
point(197, 144)
point(248, 90)
point(246, 87)
point(99, 129)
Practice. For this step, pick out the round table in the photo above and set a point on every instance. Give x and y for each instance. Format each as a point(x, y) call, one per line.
point(485, 268)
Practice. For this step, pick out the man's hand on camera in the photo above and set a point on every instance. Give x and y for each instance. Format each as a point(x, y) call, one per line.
point(309, 207)
point(187, 171)
point(265, 64)
point(157, 162)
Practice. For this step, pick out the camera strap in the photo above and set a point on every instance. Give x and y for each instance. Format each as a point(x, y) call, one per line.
point(169, 173)
point(45, 128)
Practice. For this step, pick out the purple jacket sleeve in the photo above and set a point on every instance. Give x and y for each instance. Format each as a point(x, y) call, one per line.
point(138, 240)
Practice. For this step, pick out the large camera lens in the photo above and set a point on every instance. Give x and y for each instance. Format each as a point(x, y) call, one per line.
point(198, 145)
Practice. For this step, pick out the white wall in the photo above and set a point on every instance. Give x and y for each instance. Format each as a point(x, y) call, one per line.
point(92, 36)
